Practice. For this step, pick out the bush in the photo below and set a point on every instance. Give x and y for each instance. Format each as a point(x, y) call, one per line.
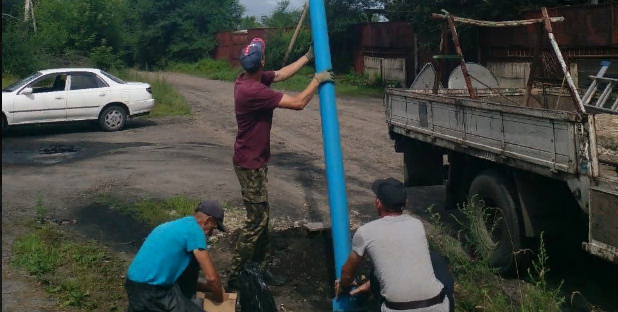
point(103, 57)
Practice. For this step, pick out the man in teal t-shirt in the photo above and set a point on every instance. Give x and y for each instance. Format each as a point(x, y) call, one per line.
point(163, 276)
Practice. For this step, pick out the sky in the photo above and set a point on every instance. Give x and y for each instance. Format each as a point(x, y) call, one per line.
point(264, 7)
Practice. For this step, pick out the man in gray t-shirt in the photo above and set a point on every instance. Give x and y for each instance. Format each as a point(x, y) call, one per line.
point(400, 255)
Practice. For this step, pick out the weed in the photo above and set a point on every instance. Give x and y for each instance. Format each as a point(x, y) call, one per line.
point(40, 210)
point(477, 285)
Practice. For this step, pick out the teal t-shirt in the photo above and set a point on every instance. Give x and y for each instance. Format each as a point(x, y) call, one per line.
point(167, 252)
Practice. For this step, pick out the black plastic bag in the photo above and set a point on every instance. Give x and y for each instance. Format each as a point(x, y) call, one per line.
point(254, 294)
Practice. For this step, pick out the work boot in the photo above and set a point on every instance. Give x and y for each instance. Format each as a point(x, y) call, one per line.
point(271, 279)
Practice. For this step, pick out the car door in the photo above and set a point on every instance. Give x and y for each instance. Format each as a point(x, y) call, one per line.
point(87, 95)
point(46, 103)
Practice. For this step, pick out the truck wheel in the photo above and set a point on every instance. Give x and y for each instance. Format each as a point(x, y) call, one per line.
point(496, 221)
point(113, 118)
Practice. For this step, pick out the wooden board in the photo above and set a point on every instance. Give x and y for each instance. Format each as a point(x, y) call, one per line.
point(228, 304)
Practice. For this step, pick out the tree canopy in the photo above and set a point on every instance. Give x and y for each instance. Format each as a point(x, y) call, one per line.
point(152, 33)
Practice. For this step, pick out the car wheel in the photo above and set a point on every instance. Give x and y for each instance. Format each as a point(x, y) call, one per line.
point(113, 118)
point(496, 225)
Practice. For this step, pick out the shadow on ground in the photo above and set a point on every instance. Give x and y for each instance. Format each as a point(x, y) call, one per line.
point(39, 130)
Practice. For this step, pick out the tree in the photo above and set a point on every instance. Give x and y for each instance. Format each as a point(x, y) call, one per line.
point(181, 30)
point(249, 22)
point(282, 16)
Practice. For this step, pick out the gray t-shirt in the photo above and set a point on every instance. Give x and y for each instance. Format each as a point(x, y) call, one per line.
point(399, 251)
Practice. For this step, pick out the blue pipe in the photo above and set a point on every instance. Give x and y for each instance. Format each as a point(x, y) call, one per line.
point(340, 220)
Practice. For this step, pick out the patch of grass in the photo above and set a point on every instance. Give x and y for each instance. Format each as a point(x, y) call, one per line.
point(8, 80)
point(477, 285)
point(208, 68)
point(82, 275)
point(350, 84)
point(154, 212)
point(168, 102)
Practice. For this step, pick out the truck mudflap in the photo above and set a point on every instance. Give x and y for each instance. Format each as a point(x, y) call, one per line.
point(603, 232)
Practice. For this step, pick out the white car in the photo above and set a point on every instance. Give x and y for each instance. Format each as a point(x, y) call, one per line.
point(74, 94)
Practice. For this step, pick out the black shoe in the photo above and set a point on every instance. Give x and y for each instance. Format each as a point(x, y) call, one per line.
point(233, 283)
point(272, 279)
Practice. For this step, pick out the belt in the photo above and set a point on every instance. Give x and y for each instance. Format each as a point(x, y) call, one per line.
point(144, 286)
point(411, 305)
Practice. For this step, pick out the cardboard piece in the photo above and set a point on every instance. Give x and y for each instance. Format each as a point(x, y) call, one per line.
point(228, 304)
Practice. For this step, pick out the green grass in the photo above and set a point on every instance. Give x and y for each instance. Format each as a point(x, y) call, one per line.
point(84, 275)
point(347, 85)
point(168, 102)
point(478, 286)
point(8, 80)
point(154, 212)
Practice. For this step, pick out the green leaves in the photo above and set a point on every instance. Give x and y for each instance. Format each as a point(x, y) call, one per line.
point(181, 31)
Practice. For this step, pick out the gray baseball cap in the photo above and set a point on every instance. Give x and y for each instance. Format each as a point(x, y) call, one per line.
point(213, 208)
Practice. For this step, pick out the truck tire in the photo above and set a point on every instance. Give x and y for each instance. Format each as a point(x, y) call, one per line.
point(505, 240)
point(113, 118)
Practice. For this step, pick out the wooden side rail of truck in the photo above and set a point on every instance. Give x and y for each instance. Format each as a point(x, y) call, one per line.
point(531, 163)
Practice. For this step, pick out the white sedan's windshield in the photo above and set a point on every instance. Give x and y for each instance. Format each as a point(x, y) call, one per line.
point(22, 82)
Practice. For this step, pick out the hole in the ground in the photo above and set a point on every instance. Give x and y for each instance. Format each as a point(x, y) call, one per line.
point(59, 150)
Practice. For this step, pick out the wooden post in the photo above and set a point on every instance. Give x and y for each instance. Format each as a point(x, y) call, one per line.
point(464, 69)
point(536, 63)
point(300, 23)
point(577, 101)
point(439, 64)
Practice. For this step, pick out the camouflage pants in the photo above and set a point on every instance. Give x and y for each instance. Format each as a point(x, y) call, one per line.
point(253, 243)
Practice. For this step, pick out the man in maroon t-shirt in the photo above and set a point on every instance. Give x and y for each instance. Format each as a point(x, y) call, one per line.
point(254, 103)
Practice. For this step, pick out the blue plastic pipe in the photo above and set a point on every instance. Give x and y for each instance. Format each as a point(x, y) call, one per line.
point(340, 220)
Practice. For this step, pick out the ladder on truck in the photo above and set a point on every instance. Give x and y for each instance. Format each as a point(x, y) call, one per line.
point(600, 105)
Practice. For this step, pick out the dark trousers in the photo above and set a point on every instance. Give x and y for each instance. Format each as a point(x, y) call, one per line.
point(440, 270)
point(175, 298)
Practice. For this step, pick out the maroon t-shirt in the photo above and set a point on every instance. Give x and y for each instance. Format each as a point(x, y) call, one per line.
point(254, 103)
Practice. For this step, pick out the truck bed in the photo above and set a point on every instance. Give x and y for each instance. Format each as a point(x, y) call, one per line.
point(534, 139)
